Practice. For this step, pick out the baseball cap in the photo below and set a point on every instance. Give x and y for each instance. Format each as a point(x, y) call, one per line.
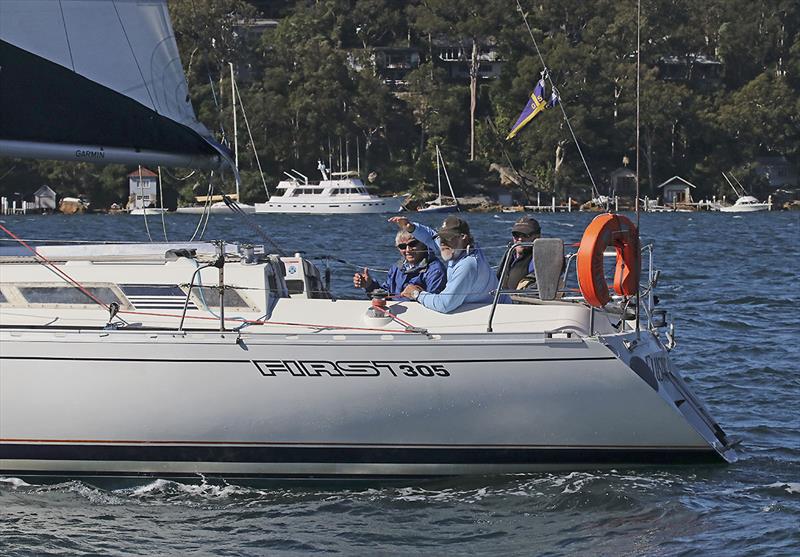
point(527, 226)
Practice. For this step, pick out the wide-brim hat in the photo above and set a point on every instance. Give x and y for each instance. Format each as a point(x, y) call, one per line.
point(527, 226)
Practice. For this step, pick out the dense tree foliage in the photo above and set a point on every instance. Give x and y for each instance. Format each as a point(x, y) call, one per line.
point(719, 88)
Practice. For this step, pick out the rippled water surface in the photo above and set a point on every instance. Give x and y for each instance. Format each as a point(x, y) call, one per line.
point(732, 285)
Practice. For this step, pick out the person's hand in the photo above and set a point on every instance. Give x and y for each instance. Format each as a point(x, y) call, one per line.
point(408, 291)
point(361, 280)
point(402, 223)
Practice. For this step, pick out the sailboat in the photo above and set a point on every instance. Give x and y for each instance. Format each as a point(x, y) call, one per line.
point(195, 359)
point(217, 204)
point(744, 203)
point(441, 204)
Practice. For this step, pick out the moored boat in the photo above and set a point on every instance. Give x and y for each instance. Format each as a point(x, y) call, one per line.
point(442, 204)
point(335, 193)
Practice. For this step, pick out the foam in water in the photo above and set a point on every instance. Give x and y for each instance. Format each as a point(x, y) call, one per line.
point(14, 482)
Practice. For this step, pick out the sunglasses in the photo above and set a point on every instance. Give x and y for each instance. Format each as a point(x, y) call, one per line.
point(520, 236)
point(411, 244)
point(448, 241)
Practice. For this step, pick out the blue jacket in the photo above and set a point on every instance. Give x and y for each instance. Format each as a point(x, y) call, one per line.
point(470, 278)
point(430, 274)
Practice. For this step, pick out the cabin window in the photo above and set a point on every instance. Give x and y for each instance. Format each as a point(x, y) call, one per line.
point(209, 296)
point(3, 299)
point(68, 295)
point(334, 191)
point(295, 286)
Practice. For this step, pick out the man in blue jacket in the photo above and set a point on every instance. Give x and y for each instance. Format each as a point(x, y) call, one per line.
point(470, 278)
point(417, 266)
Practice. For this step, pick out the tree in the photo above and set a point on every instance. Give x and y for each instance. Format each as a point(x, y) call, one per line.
point(471, 24)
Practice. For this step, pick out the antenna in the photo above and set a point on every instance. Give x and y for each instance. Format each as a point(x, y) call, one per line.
point(731, 185)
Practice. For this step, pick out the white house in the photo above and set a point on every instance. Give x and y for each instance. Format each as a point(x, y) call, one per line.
point(44, 199)
point(143, 184)
point(676, 190)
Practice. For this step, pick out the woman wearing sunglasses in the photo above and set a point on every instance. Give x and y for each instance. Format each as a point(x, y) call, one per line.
point(417, 266)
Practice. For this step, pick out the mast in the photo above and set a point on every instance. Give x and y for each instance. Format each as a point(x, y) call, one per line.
point(439, 173)
point(235, 135)
point(638, 95)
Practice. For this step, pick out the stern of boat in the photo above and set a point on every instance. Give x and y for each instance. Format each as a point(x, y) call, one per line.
point(646, 356)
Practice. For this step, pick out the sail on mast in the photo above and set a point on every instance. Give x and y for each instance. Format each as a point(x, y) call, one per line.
point(102, 82)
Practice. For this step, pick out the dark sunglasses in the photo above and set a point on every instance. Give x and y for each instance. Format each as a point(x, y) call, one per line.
point(520, 236)
point(447, 241)
point(411, 244)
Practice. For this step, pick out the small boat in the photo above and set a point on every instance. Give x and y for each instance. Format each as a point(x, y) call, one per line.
point(745, 203)
point(142, 211)
point(336, 193)
point(441, 204)
point(216, 205)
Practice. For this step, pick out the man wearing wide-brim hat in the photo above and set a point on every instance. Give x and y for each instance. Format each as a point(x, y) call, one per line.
point(470, 278)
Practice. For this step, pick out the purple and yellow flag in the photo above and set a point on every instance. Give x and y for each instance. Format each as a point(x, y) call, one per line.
point(534, 106)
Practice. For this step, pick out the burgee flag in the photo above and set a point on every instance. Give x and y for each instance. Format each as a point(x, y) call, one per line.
point(534, 106)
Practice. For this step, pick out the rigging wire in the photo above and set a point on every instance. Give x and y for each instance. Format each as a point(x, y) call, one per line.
point(161, 204)
point(595, 191)
point(250, 135)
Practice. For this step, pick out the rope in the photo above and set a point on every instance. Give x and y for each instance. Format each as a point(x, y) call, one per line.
point(234, 206)
point(595, 191)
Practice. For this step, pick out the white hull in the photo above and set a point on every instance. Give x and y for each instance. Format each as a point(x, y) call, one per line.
point(313, 387)
point(439, 209)
point(375, 205)
point(167, 404)
point(218, 208)
point(745, 208)
point(148, 211)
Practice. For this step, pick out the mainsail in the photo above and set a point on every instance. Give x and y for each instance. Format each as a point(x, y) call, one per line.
point(92, 81)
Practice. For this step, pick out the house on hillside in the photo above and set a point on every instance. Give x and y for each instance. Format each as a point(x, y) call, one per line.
point(44, 199)
point(392, 64)
point(143, 188)
point(692, 68)
point(676, 191)
point(454, 57)
point(778, 171)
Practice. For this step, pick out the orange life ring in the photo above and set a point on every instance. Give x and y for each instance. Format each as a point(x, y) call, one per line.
point(608, 230)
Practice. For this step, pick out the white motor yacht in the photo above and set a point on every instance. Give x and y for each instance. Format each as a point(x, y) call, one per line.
point(336, 193)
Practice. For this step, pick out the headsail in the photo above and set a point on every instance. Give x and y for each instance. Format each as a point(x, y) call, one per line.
point(101, 82)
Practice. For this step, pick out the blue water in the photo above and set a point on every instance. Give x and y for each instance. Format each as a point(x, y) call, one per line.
point(732, 285)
